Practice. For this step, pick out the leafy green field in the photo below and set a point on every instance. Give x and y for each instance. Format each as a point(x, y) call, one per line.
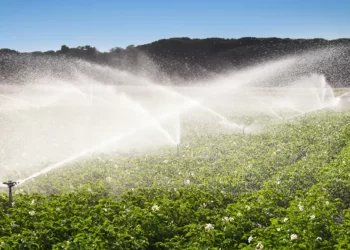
point(287, 187)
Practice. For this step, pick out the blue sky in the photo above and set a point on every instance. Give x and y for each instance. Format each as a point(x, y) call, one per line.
point(32, 25)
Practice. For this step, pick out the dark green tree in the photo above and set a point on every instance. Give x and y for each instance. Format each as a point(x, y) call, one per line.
point(64, 49)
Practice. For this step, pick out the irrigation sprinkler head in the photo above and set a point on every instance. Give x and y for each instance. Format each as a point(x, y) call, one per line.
point(10, 184)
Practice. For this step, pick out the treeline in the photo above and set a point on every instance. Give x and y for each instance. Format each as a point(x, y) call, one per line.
point(187, 58)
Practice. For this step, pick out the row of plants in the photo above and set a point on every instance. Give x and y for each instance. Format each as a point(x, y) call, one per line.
point(285, 188)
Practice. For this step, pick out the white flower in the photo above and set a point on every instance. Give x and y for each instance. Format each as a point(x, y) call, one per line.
point(278, 229)
point(239, 214)
point(165, 161)
point(259, 246)
point(312, 217)
point(293, 237)
point(318, 238)
point(187, 182)
point(155, 208)
point(228, 219)
point(250, 239)
point(209, 227)
point(58, 209)
point(247, 207)
point(13, 224)
point(31, 213)
point(327, 203)
point(89, 190)
point(313, 208)
point(285, 219)
point(108, 179)
point(301, 208)
point(192, 174)
point(32, 203)
point(204, 205)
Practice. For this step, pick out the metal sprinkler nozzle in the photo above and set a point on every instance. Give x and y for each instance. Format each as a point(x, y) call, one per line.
point(10, 184)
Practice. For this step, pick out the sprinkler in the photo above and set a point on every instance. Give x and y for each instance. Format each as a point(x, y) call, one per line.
point(10, 185)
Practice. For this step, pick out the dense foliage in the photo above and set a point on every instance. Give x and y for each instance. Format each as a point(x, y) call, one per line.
point(287, 187)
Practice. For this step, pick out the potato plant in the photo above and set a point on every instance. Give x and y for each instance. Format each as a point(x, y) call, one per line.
point(286, 187)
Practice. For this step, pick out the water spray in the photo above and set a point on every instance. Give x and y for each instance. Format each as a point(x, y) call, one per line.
point(144, 111)
point(178, 149)
point(10, 184)
point(103, 144)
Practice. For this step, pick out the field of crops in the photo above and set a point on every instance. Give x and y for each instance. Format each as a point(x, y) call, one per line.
point(285, 187)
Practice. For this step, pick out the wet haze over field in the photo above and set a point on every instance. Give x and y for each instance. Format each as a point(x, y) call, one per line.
point(67, 110)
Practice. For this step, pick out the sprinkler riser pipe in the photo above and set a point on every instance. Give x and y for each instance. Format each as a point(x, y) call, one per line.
point(10, 197)
point(10, 184)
